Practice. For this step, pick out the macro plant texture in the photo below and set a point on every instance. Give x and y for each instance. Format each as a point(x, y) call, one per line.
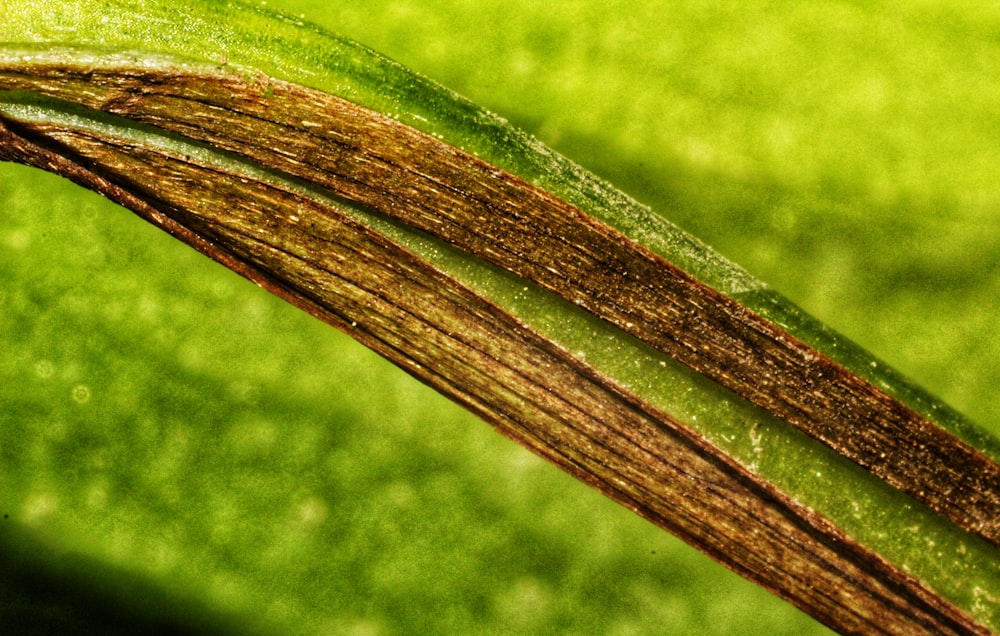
point(182, 449)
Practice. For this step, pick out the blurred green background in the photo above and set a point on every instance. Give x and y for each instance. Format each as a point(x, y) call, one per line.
point(181, 452)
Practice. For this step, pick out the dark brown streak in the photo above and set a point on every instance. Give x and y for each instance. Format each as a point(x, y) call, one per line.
point(374, 160)
point(528, 388)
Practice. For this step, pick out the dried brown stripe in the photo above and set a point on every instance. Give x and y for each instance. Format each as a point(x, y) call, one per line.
point(322, 261)
point(405, 174)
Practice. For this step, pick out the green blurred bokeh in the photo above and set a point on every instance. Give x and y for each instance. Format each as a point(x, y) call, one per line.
point(181, 451)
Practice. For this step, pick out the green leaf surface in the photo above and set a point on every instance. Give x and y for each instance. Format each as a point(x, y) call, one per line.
point(168, 420)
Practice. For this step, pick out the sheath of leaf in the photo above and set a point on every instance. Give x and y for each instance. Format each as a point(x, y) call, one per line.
point(341, 210)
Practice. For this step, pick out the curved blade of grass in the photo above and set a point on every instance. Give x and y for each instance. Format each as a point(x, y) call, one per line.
point(144, 106)
point(330, 261)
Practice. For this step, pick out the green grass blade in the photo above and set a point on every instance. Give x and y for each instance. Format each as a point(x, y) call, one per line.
point(963, 585)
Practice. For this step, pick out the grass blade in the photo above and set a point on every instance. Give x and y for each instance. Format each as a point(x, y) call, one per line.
point(323, 202)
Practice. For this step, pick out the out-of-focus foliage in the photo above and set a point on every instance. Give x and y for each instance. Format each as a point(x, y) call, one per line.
point(172, 437)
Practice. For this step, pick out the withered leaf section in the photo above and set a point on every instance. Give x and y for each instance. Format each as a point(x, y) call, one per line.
point(308, 250)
